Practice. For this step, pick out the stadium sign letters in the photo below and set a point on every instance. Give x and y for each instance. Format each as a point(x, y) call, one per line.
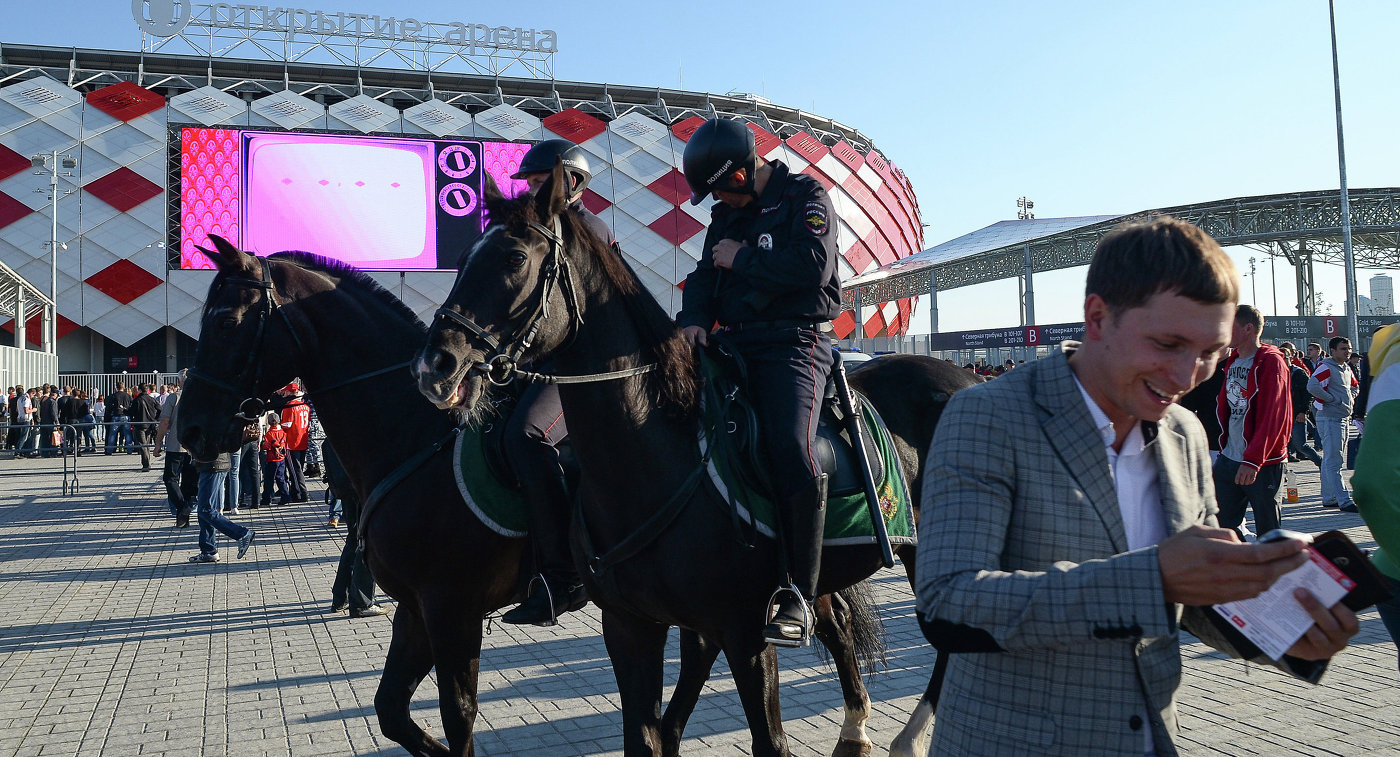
point(163, 18)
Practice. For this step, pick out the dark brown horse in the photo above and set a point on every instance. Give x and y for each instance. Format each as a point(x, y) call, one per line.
point(653, 538)
point(269, 320)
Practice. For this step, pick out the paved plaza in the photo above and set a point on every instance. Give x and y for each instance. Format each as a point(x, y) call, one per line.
point(112, 643)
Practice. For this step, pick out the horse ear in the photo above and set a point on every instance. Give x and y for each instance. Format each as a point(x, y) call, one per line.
point(224, 255)
point(553, 196)
point(493, 198)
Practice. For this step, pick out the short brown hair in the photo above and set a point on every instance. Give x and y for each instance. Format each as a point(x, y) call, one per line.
point(1140, 259)
point(1248, 315)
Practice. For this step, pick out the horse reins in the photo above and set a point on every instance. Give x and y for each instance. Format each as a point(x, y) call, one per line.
point(505, 366)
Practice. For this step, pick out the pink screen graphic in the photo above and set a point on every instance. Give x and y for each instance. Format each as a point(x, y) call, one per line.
point(369, 202)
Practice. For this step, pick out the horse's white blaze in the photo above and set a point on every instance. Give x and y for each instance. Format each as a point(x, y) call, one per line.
point(913, 740)
point(853, 729)
point(422, 368)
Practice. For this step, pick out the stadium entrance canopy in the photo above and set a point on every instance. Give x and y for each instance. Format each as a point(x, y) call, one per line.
point(1302, 227)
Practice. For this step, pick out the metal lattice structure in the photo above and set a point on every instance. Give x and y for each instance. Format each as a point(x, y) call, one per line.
point(1304, 227)
point(352, 39)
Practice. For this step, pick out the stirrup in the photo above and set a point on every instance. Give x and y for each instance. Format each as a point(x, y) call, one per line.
point(549, 598)
point(807, 619)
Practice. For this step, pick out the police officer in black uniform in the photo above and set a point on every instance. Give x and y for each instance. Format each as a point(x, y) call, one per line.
point(769, 276)
point(537, 427)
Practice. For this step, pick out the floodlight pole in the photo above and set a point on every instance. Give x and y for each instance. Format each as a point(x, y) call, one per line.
point(51, 331)
point(1348, 261)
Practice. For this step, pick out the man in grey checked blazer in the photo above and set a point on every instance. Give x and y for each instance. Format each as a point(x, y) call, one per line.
point(1068, 525)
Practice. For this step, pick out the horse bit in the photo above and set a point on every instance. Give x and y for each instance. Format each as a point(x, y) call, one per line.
point(504, 368)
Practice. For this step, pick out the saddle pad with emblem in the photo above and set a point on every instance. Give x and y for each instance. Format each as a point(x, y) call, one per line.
point(500, 507)
point(847, 517)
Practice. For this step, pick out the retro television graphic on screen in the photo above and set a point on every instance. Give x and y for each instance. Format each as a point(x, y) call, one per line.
point(377, 203)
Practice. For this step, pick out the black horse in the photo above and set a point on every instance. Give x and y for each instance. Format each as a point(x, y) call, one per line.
point(294, 314)
point(651, 535)
point(268, 320)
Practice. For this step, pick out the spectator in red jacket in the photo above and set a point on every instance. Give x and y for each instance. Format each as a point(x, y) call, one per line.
point(296, 421)
point(1255, 413)
point(274, 453)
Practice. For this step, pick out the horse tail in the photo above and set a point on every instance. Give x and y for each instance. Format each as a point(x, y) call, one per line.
point(867, 629)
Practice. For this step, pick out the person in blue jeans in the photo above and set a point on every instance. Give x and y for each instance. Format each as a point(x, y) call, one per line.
point(212, 480)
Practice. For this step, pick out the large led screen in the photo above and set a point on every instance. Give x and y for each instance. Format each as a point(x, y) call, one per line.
point(377, 203)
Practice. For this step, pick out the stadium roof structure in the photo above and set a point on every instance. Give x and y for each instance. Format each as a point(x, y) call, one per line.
point(11, 284)
point(85, 69)
point(1299, 226)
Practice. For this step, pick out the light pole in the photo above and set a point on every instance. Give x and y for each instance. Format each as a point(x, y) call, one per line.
point(51, 163)
point(1253, 291)
point(1348, 261)
point(1024, 208)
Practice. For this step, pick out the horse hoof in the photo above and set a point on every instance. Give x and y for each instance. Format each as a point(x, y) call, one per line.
point(845, 748)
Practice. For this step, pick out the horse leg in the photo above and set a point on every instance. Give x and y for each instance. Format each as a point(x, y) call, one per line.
point(637, 648)
point(834, 630)
point(408, 662)
point(755, 666)
point(455, 634)
point(913, 740)
point(697, 659)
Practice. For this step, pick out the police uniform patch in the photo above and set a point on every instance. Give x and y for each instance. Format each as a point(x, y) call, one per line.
point(814, 216)
point(765, 241)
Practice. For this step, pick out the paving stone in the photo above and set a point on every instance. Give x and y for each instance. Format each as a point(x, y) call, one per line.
point(116, 645)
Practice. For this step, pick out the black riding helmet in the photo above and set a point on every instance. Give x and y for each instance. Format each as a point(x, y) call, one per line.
point(715, 151)
point(542, 157)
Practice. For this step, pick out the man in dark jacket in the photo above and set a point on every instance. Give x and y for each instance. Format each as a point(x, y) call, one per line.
point(768, 276)
point(118, 417)
point(1302, 405)
point(48, 423)
point(145, 411)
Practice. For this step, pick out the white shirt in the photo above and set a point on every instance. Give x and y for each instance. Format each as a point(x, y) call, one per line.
point(1139, 500)
point(1134, 479)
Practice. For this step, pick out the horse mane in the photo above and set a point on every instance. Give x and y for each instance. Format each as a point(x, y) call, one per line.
point(676, 381)
point(357, 279)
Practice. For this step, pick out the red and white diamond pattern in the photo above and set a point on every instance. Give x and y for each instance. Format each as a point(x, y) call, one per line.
point(114, 278)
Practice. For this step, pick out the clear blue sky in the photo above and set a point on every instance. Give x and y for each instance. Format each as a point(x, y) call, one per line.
point(1085, 107)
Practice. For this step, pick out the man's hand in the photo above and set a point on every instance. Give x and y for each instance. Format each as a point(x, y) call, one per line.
point(1300, 417)
point(725, 252)
point(1207, 566)
point(1330, 632)
point(1246, 475)
point(158, 451)
point(696, 335)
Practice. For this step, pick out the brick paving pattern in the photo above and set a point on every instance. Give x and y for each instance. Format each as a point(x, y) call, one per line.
point(113, 644)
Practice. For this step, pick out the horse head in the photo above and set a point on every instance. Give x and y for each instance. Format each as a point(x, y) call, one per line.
point(237, 360)
point(514, 300)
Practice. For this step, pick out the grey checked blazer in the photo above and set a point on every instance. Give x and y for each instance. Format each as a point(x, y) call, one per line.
point(1022, 549)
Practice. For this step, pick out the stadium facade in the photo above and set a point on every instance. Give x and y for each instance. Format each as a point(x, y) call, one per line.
point(129, 291)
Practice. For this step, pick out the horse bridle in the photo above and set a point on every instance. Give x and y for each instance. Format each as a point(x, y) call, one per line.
point(504, 368)
point(245, 385)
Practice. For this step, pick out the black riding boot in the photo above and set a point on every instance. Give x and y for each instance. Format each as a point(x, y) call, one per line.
point(803, 518)
point(557, 589)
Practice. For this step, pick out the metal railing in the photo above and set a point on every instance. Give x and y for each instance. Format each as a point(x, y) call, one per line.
point(102, 384)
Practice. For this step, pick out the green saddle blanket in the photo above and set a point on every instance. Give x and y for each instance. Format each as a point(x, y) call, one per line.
point(848, 520)
point(501, 508)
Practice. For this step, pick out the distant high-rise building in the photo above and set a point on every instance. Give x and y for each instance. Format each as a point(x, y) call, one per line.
point(1382, 294)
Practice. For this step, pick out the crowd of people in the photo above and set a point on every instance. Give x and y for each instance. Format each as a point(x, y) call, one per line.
point(269, 468)
point(51, 421)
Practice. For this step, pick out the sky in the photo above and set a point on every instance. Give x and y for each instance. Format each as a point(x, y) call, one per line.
point(1086, 108)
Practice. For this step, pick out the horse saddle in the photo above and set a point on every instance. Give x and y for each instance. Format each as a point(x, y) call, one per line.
point(736, 434)
point(493, 444)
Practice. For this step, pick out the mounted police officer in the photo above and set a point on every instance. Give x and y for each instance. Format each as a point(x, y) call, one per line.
point(769, 277)
point(536, 428)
